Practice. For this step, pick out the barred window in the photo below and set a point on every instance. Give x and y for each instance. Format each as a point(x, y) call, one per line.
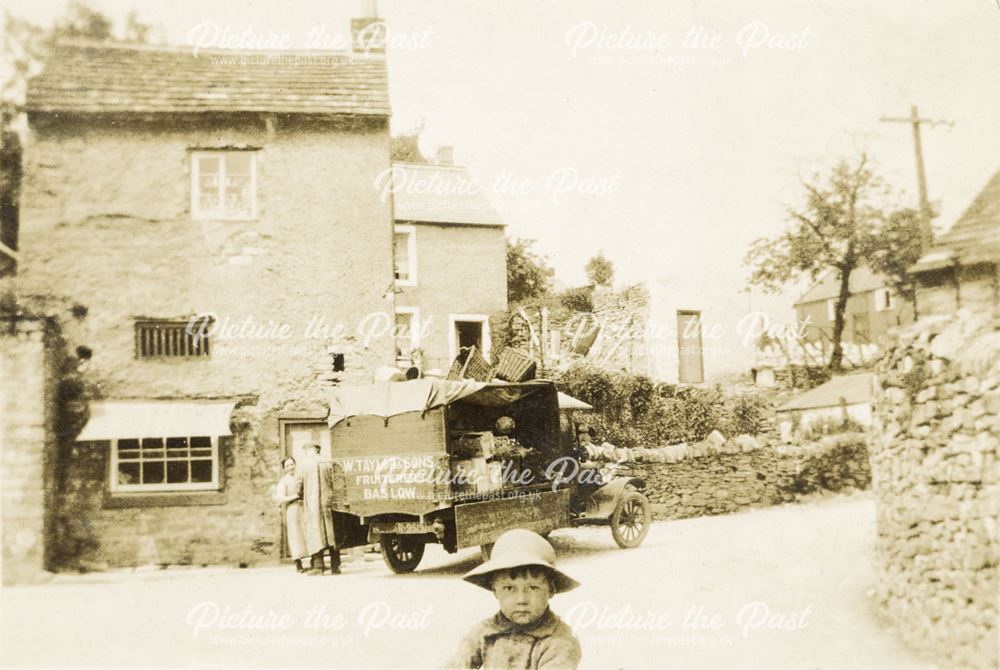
point(164, 464)
point(170, 339)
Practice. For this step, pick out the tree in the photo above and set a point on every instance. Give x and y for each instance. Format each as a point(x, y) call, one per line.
point(846, 223)
point(527, 273)
point(83, 21)
point(405, 147)
point(25, 47)
point(600, 271)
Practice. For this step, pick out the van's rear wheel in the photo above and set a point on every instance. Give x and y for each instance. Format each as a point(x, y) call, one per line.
point(401, 554)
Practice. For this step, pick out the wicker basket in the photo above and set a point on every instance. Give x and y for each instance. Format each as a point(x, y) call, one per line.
point(515, 366)
point(470, 364)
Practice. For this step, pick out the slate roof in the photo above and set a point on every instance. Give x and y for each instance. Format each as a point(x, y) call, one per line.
point(86, 76)
point(853, 388)
point(974, 237)
point(862, 280)
point(428, 193)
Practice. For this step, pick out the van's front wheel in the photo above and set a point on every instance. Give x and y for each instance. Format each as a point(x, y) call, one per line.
point(401, 554)
point(630, 520)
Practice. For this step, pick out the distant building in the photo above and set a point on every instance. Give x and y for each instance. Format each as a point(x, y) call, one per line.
point(872, 308)
point(450, 262)
point(962, 268)
point(846, 397)
point(675, 331)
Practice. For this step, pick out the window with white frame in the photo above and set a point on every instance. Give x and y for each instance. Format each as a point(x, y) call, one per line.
point(884, 299)
point(407, 332)
point(164, 464)
point(224, 185)
point(404, 255)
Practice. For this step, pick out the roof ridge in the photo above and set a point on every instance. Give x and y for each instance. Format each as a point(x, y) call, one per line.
point(434, 166)
point(86, 43)
point(968, 215)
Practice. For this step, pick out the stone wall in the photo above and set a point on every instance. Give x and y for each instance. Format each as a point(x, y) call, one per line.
point(936, 474)
point(29, 372)
point(239, 527)
point(685, 481)
point(623, 316)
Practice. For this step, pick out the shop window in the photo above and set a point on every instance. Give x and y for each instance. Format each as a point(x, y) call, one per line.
point(164, 464)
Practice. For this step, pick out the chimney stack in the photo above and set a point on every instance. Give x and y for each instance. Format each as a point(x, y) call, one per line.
point(446, 155)
point(368, 32)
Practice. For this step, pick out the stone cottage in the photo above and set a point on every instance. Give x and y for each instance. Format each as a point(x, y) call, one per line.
point(450, 261)
point(211, 223)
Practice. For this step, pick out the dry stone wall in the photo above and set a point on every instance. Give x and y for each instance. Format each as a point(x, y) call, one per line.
point(719, 476)
point(935, 457)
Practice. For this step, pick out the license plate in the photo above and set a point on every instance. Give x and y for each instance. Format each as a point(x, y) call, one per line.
point(400, 527)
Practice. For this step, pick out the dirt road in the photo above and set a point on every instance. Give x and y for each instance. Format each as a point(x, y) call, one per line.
point(775, 588)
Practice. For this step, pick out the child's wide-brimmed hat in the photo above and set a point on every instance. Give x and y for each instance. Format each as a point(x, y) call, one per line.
point(520, 548)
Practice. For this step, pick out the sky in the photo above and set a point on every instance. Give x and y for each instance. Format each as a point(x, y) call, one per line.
point(667, 135)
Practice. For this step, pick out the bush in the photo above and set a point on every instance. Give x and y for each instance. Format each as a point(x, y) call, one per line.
point(831, 426)
point(631, 411)
point(829, 464)
point(745, 416)
point(580, 299)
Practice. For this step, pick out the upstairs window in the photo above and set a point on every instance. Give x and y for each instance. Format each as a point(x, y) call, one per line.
point(884, 300)
point(170, 339)
point(224, 185)
point(404, 255)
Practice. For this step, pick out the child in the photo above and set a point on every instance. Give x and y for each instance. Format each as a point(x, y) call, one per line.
point(525, 633)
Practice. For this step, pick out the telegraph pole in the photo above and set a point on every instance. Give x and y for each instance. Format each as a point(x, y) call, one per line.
point(927, 232)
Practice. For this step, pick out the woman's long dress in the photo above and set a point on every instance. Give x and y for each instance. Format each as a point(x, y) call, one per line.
point(290, 485)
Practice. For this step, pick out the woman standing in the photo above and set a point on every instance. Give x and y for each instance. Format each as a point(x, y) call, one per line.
point(288, 494)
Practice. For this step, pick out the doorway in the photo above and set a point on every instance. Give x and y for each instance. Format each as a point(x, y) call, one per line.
point(691, 364)
point(469, 330)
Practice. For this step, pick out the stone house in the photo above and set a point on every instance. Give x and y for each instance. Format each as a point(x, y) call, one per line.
point(211, 223)
point(962, 267)
point(450, 261)
point(872, 308)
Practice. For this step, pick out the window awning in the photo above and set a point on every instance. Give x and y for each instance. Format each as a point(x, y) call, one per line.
point(116, 419)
